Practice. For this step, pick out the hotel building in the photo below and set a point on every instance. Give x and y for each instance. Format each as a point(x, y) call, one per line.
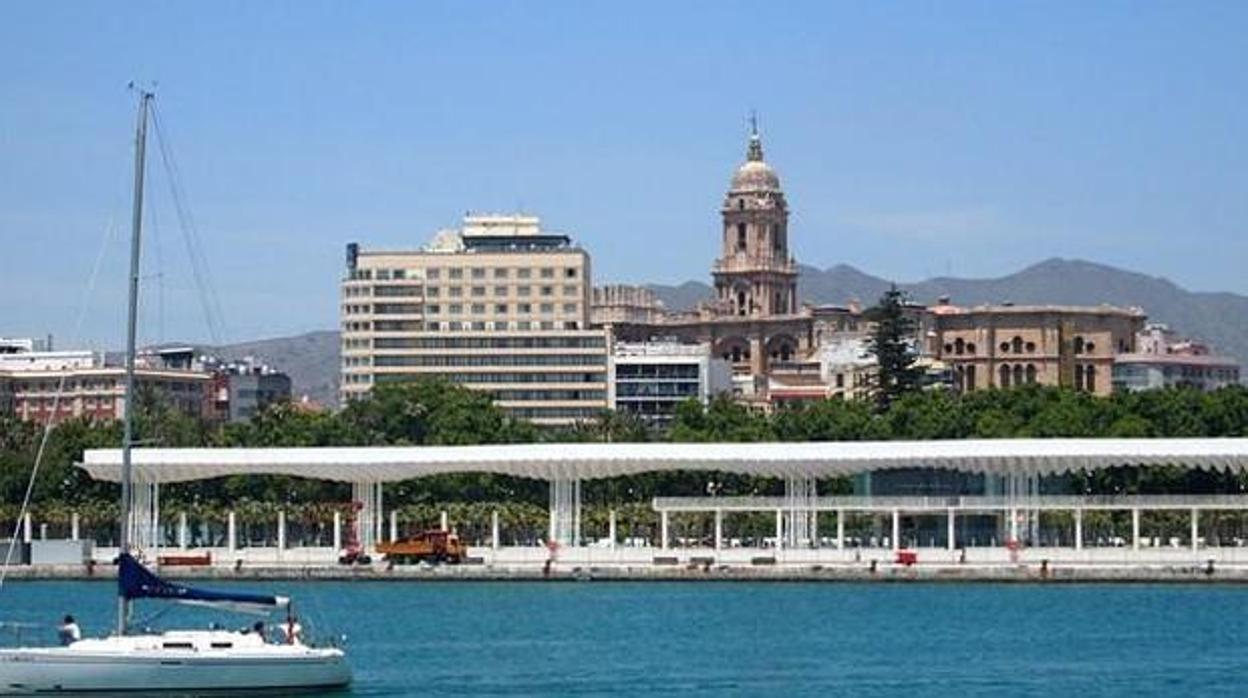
point(498, 305)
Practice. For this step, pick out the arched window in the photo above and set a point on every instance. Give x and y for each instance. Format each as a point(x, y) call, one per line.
point(1005, 376)
point(740, 204)
point(1016, 345)
point(741, 237)
point(948, 348)
point(736, 354)
point(1089, 379)
point(1031, 374)
point(1079, 377)
point(1078, 345)
point(959, 346)
point(1018, 374)
point(776, 243)
point(777, 307)
point(1031, 347)
point(970, 377)
point(786, 352)
point(741, 307)
point(1089, 348)
point(1005, 347)
point(970, 347)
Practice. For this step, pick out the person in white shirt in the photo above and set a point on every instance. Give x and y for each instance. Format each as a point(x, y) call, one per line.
point(69, 632)
point(291, 631)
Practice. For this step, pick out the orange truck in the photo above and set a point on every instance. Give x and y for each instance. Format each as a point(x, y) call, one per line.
point(430, 546)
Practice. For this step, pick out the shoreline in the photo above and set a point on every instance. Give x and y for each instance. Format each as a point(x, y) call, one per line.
point(857, 573)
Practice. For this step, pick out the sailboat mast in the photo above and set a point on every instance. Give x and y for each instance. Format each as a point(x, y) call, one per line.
point(136, 228)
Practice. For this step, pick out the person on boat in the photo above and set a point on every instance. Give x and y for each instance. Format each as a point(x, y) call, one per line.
point(292, 632)
point(69, 632)
point(258, 628)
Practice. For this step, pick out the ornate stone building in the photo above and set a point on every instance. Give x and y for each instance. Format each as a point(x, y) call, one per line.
point(755, 320)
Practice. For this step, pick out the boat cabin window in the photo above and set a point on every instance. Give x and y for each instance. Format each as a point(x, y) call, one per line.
point(222, 645)
point(179, 646)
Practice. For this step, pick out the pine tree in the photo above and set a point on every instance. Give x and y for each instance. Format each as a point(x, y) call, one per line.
point(893, 345)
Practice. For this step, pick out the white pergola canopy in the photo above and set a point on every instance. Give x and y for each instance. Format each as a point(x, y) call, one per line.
point(587, 461)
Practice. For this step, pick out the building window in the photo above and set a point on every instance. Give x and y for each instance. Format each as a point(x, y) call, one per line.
point(1031, 347)
point(1031, 374)
point(569, 273)
point(1089, 379)
point(456, 273)
point(1018, 374)
point(959, 346)
point(478, 273)
point(478, 291)
point(432, 291)
point(1078, 345)
point(569, 307)
point(524, 273)
point(525, 308)
point(548, 290)
point(570, 290)
point(741, 237)
point(548, 273)
point(970, 377)
point(547, 308)
point(523, 290)
point(433, 274)
point(500, 307)
point(500, 272)
point(1016, 345)
point(741, 303)
point(1005, 376)
point(740, 204)
point(948, 348)
point(455, 292)
point(1005, 347)
point(478, 308)
point(500, 291)
point(970, 347)
point(1079, 377)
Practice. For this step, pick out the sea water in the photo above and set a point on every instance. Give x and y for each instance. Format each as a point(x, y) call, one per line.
point(745, 639)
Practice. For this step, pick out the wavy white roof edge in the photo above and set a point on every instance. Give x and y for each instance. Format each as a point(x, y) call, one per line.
point(589, 461)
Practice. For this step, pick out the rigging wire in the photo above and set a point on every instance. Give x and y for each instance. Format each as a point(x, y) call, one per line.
point(84, 304)
point(202, 273)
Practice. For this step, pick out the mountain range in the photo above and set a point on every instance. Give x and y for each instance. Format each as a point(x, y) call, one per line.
point(1220, 319)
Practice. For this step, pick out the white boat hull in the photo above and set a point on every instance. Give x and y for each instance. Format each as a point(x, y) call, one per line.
point(131, 665)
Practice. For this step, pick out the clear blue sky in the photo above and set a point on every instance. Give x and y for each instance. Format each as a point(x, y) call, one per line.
point(913, 139)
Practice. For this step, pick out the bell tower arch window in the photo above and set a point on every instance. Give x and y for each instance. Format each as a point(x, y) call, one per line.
point(741, 238)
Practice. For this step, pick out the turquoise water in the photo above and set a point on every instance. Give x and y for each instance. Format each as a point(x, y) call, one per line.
point(745, 639)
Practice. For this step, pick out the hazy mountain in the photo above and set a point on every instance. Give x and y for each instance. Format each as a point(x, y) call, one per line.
point(1218, 318)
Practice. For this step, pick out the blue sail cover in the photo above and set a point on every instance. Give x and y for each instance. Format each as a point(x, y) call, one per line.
point(134, 581)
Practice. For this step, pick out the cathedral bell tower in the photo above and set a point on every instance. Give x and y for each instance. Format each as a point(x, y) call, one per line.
point(755, 276)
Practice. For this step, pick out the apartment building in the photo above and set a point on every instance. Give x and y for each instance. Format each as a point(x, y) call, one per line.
point(498, 305)
point(649, 379)
point(31, 380)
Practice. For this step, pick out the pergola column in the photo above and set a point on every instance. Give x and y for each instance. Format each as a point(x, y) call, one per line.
point(1195, 529)
point(183, 532)
point(27, 533)
point(663, 530)
point(719, 529)
point(612, 528)
point(950, 529)
point(800, 494)
point(565, 511)
point(1013, 514)
point(73, 526)
point(1135, 528)
point(231, 532)
point(394, 525)
point(494, 530)
point(281, 530)
point(896, 530)
point(779, 528)
point(1078, 529)
point(840, 529)
point(368, 523)
point(337, 531)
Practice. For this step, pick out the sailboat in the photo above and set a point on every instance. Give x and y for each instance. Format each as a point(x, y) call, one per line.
point(179, 661)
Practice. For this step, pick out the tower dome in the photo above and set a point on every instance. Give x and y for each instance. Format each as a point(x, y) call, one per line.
point(754, 175)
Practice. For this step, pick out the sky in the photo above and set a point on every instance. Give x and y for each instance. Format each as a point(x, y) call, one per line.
point(913, 139)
